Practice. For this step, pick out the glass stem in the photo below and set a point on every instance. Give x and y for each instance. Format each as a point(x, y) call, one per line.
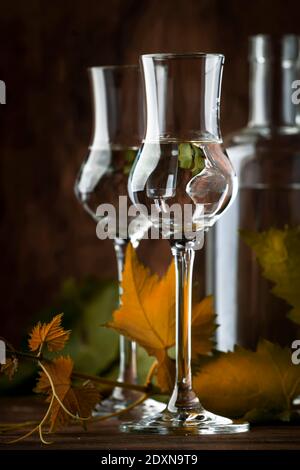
point(183, 397)
point(128, 366)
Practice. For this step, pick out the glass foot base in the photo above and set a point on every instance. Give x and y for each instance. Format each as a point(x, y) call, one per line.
point(111, 405)
point(202, 422)
point(150, 407)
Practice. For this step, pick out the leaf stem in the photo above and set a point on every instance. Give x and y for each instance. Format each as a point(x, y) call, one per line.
point(124, 410)
point(26, 355)
point(114, 383)
point(55, 395)
point(151, 373)
point(7, 427)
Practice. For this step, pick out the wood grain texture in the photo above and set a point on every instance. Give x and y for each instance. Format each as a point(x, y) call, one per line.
point(45, 126)
point(106, 435)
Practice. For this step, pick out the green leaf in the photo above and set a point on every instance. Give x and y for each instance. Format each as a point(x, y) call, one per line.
point(199, 164)
point(191, 157)
point(144, 362)
point(278, 253)
point(95, 349)
point(130, 155)
point(23, 381)
point(86, 305)
point(197, 151)
point(185, 155)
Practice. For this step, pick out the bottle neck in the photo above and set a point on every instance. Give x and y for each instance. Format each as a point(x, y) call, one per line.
point(271, 90)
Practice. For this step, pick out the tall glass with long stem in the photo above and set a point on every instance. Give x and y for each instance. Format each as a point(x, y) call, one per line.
point(103, 177)
point(183, 179)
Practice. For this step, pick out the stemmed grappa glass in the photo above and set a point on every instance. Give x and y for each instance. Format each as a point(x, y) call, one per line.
point(183, 180)
point(103, 177)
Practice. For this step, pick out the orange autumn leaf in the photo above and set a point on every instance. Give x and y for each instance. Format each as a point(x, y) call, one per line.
point(60, 370)
point(147, 311)
point(52, 334)
point(165, 372)
point(203, 327)
point(147, 316)
point(80, 401)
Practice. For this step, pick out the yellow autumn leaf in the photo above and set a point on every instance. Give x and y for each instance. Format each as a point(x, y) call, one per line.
point(203, 327)
point(278, 253)
point(165, 373)
point(257, 386)
point(148, 304)
point(52, 334)
point(147, 316)
point(80, 401)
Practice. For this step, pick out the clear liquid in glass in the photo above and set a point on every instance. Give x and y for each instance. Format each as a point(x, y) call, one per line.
point(196, 174)
point(102, 180)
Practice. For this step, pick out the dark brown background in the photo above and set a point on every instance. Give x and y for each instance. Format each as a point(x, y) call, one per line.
point(45, 47)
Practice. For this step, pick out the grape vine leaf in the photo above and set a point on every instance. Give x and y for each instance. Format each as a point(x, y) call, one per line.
point(165, 373)
point(191, 157)
point(130, 155)
point(185, 156)
point(255, 385)
point(278, 253)
point(147, 315)
point(85, 303)
point(52, 334)
point(79, 400)
point(203, 327)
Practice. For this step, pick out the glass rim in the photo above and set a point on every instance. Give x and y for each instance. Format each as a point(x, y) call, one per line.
point(175, 55)
point(113, 67)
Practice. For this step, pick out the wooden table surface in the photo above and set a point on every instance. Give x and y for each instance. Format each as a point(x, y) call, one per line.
point(106, 435)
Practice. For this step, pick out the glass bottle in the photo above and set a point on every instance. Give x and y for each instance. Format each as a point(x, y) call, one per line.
point(266, 157)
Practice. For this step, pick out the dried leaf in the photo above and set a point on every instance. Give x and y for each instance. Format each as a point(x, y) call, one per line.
point(147, 315)
point(254, 385)
point(165, 372)
point(52, 334)
point(60, 370)
point(147, 311)
point(10, 367)
point(80, 401)
point(203, 327)
point(278, 252)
